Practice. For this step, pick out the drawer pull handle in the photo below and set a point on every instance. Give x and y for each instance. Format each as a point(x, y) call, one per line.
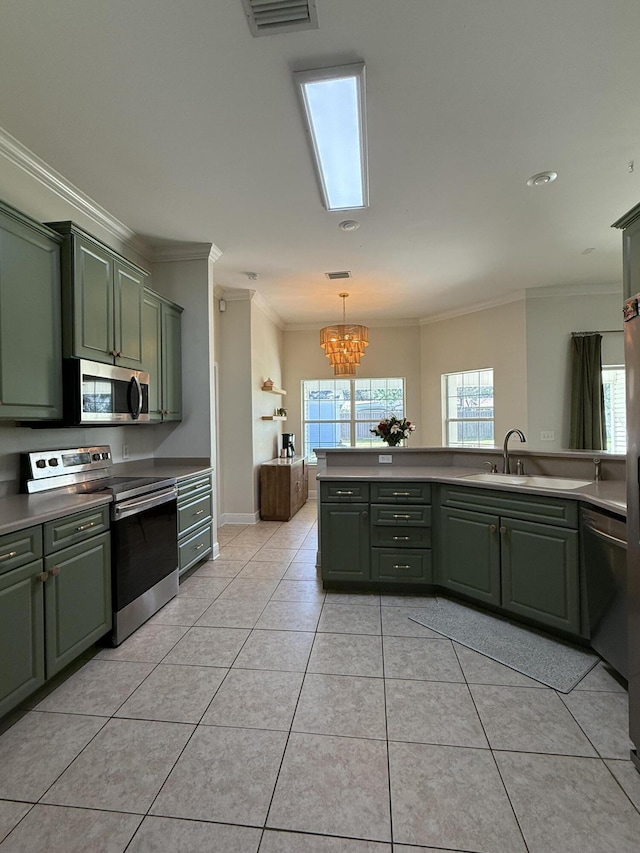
point(402, 538)
point(200, 512)
point(42, 576)
point(8, 555)
point(85, 526)
point(401, 516)
point(397, 566)
point(338, 492)
point(55, 571)
point(200, 546)
point(401, 494)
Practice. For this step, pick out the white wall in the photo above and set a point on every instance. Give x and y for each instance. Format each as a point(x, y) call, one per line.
point(552, 314)
point(493, 337)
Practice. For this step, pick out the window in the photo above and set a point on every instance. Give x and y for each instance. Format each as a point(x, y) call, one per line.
point(341, 412)
point(468, 408)
point(615, 417)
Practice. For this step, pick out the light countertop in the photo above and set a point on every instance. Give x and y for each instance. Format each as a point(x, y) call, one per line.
point(610, 495)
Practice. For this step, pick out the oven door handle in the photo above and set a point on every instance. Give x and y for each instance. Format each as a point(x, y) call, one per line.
point(135, 411)
point(137, 505)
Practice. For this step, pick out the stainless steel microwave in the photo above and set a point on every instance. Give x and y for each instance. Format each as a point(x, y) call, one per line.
point(97, 394)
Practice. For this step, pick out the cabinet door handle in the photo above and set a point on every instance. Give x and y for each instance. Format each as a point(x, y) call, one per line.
point(8, 555)
point(85, 526)
point(405, 517)
point(343, 493)
point(401, 494)
point(401, 538)
point(503, 530)
point(493, 528)
point(397, 566)
point(55, 571)
point(42, 576)
point(365, 514)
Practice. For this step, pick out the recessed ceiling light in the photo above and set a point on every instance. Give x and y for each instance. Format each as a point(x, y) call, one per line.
point(252, 276)
point(333, 105)
point(349, 225)
point(542, 179)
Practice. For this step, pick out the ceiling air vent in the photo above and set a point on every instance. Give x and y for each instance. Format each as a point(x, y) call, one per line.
point(280, 16)
point(335, 275)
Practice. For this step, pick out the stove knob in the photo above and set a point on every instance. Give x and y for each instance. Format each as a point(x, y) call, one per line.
point(96, 457)
point(53, 462)
point(41, 463)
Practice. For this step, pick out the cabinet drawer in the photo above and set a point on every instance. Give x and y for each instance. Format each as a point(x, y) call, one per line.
point(401, 566)
point(75, 528)
point(19, 548)
point(401, 537)
point(389, 493)
point(344, 492)
point(193, 513)
point(189, 489)
point(405, 516)
point(193, 549)
point(542, 508)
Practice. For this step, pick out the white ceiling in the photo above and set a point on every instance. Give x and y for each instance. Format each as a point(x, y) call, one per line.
point(185, 127)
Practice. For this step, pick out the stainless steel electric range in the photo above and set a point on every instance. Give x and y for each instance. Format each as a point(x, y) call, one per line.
point(144, 526)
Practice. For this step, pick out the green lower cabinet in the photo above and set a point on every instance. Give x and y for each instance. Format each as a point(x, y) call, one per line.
point(77, 597)
point(470, 554)
point(540, 573)
point(344, 542)
point(21, 634)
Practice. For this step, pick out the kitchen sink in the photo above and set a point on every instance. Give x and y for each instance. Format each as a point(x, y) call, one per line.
point(530, 480)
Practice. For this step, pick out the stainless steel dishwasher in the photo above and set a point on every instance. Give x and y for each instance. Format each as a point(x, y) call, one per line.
point(604, 543)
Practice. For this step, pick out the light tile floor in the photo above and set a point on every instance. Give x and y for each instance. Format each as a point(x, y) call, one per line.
point(257, 713)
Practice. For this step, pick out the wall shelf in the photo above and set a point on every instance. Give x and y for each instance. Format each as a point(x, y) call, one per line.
point(274, 417)
point(270, 388)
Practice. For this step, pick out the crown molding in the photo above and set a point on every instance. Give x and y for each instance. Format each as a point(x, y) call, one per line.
point(574, 290)
point(169, 252)
point(514, 296)
point(19, 155)
point(243, 294)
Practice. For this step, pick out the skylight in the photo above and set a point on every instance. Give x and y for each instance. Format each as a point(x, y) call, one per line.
point(333, 101)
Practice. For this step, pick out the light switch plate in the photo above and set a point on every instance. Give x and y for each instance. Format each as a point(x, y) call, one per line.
point(384, 457)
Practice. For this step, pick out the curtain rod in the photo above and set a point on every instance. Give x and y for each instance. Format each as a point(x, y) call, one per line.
point(601, 332)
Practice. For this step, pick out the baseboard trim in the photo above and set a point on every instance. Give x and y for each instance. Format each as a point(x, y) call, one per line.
point(239, 518)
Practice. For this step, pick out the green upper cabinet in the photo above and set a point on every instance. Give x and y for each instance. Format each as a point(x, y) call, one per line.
point(30, 337)
point(162, 356)
point(102, 301)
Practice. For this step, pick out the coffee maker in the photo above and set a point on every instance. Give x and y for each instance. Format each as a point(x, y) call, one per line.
point(288, 448)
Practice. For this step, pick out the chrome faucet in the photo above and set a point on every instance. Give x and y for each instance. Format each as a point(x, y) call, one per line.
point(597, 469)
point(505, 449)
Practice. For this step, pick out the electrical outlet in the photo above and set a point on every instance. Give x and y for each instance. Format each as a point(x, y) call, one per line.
point(125, 451)
point(547, 435)
point(384, 457)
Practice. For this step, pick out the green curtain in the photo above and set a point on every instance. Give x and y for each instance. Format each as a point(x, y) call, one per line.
point(587, 399)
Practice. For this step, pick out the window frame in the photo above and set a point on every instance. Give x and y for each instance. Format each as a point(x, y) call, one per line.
point(447, 420)
point(352, 421)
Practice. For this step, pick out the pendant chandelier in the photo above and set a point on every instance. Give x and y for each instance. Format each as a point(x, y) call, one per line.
point(344, 344)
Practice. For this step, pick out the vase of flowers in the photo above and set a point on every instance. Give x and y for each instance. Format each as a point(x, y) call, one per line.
point(394, 430)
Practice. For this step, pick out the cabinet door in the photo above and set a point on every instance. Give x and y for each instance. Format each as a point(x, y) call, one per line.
point(30, 323)
point(171, 363)
point(344, 541)
point(128, 288)
point(540, 573)
point(470, 556)
point(152, 351)
point(77, 600)
point(21, 634)
point(93, 320)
